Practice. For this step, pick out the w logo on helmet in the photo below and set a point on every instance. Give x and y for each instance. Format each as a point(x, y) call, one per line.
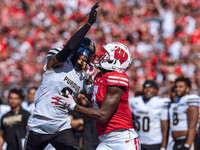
point(120, 54)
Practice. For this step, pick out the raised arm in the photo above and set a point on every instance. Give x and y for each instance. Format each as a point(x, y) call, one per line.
point(74, 41)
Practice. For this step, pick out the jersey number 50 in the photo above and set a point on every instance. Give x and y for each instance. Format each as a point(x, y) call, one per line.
point(145, 123)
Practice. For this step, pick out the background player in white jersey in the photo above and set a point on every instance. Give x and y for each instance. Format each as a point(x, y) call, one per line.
point(170, 143)
point(4, 108)
point(64, 71)
point(28, 105)
point(110, 100)
point(150, 113)
point(184, 113)
point(197, 137)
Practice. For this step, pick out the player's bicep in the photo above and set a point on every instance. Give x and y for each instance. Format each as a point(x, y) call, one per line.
point(192, 115)
point(165, 111)
point(112, 99)
point(164, 124)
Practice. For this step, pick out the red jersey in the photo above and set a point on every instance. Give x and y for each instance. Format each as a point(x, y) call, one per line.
point(121, 118)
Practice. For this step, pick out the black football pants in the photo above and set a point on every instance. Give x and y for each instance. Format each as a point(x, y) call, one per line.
point(150, 147)
point(63, 140)
point(179, 144)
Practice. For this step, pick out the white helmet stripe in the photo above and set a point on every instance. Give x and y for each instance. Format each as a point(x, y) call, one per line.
point(115, 81)
point(114, 77)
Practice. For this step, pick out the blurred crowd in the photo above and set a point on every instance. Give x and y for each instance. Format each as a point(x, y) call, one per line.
point(163, 36)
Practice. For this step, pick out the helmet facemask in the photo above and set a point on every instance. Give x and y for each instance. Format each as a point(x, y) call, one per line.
point(103, 56)
point(87, 49)
point(87, 53)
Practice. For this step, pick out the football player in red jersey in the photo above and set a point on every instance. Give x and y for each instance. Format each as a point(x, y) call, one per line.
point(110, 99)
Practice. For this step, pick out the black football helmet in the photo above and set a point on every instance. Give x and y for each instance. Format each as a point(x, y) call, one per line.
point(86, 48)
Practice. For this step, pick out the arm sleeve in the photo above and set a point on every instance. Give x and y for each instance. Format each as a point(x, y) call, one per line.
point(72, 44)
point(193, 100)
point(117, 79)
point(165, 109)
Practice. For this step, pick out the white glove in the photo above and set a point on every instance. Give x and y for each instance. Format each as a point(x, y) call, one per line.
point(90, 69)
point(65, 102)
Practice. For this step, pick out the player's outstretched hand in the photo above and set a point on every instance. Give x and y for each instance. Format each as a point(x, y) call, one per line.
point(90, 69)
point(93, 14)
point(62, 101)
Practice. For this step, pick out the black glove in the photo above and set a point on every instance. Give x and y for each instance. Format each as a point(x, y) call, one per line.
point(93, 14)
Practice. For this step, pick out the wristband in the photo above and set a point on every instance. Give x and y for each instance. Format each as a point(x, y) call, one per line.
point(162, 148)
point(187, 145)
point(82, 121)
point(71, 106)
